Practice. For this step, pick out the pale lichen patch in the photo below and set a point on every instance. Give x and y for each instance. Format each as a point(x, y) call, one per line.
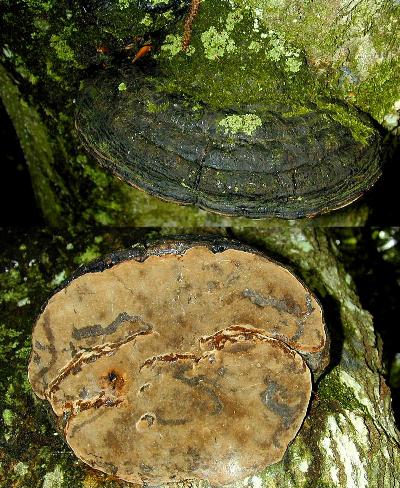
point(352, 473)
point(21, 469)
point(247, 124)
point(360, 428)
point(54, 479)
point(279, 50)
point(216, 43)
point(256, 482)
point(173, 45)
point(366, 57)
point(300, 240)
point(232, 19)
point(351, 306)
point(23, 302)
point(333, 471)
point(8, 417)
point(255, 46)
point(59, 278)
point(391, 120)
point(357, 389)
point(304, 466)
point(349, 453)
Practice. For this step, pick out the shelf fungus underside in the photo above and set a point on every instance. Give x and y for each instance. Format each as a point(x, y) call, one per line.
point(246, 161)
point(180, 364)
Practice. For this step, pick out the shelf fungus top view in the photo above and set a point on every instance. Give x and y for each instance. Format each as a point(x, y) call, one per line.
point(181, 361)
point(231, 114)
point(247, 161)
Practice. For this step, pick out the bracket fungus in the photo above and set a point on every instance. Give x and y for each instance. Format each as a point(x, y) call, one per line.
point(188, 360)
point(248, 161)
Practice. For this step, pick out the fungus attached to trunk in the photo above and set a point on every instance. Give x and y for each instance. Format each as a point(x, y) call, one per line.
point(252, 161)
point(185, 361)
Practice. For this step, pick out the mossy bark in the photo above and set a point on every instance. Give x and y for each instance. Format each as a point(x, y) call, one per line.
point(260, 51)
point(348, 438)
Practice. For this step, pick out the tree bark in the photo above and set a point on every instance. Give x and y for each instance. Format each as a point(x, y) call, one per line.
point(348, 439)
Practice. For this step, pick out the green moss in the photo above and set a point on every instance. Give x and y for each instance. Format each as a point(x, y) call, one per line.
point(9, 339)
point(41, 27)
point(348, 118)
point(91, 253)
point(248, 73)
point(274, 53)
point(321, 484)
point(158, 2)
point(16, 288)
point(40, 5)
point(63, 50)
point(52, 74)
point(20, 65)
point(296, 110)
point(152, 107)
point(96, 174)
point(103, 218)
point(147, 20)
point(332, 389)
point(122, 87)
point(38, 150)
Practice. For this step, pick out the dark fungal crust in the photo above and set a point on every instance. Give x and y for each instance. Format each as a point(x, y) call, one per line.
point(124, 370)
point(289, 166)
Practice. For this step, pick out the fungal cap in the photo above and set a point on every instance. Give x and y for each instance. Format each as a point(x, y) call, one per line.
point(196, 360)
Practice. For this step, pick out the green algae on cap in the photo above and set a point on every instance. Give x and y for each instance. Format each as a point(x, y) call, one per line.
point(247, 161)
point(196, 355)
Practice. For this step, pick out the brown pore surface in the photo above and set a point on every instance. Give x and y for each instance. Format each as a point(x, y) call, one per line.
point(179, 366)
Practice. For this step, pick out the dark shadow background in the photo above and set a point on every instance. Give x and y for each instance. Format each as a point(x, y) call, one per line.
point(17, 201)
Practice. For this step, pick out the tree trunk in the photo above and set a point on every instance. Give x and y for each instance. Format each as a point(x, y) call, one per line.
point(348, 438)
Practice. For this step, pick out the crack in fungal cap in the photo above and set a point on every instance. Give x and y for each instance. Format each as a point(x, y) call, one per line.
point(197, 358)
point(247, 161)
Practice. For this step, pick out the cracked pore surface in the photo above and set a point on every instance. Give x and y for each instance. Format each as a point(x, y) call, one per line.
point(186, 358)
